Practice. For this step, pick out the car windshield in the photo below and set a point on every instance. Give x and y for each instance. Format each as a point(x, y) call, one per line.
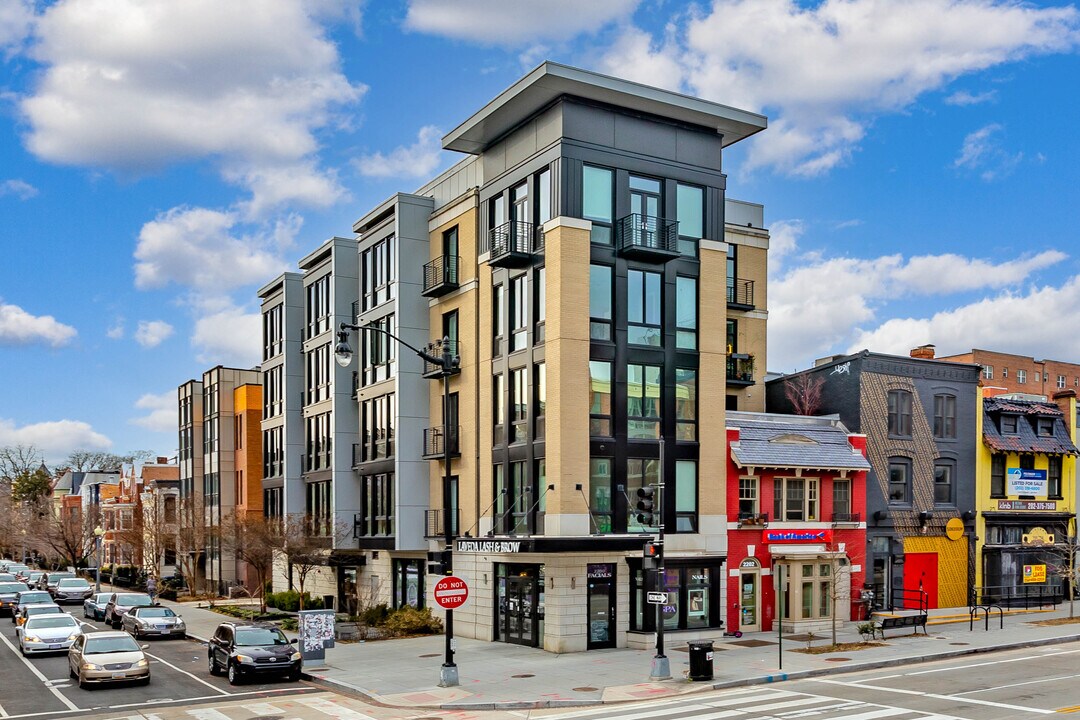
point(100, 597)
point(57, 577)
point(116, 643)
point(26, 598)
point(42, 610)
point(73, 582)
point(155, 612)
point(260, 636)
point(128, 600)
point(52, 621)
point(15, 569)
point(12, 587)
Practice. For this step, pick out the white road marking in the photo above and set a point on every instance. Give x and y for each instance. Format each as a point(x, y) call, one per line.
point(332, 709)
point(810, 700)
point(213, 687)
point(263, 709)
point(207, 714)
point(1029, 682)
point(938, 696)
point(990, 662)
point(37, 673)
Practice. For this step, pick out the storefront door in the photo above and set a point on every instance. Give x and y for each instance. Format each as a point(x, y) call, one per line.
point(921, 571)
point(521, 604)
point(749, 600)
point(601, 606)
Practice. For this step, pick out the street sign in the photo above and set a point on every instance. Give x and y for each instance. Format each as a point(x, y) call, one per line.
point(657, 598)
point(451, 593)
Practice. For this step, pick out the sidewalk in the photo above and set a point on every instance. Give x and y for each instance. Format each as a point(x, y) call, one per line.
point(405, 673)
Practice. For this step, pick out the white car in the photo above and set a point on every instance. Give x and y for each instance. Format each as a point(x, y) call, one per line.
point(48, 633)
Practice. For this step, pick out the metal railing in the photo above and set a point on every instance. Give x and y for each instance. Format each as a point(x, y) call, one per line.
point(1012, 596)
point(435, 350)
point(740, 292)
point(433, 523)
point(441, 273)
point(512, 238)
point(839, 518)
point(758, 518)
point(436, 444)
point(740, 369)
point(645, 232)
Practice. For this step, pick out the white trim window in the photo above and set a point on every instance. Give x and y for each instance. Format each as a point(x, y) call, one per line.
point(795, 499)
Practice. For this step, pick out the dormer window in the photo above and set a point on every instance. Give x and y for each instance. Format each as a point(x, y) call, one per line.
point(1044, 427)
point(1008, 425)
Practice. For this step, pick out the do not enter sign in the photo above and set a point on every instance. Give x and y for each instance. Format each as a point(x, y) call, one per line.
point(451, 593)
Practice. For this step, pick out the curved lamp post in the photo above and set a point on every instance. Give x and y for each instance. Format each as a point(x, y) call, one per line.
point(99, 533)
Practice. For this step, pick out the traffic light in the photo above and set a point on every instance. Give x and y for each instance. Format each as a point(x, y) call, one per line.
point(646, 504)
point(652, 554)
point(439, 562)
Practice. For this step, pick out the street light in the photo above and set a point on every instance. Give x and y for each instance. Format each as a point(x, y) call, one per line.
point(447, 362)
point(99, 533)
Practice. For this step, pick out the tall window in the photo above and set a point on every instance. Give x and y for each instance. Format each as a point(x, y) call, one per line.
point(498, 399)
point(600, 302)
point(540, 296)
point(643, 402)
point(318, 306)
point(945, 416)
point(685, 405)
point(943, 483)
point(988, 372)
point(691, 216)
point(272, 332)
point(379, 352)
point(643, 308)
point(519, 406)
point(795, 499)
point(899, 480)
point(1053, 477)
point(1061, 382)
point(640, 472)
point(600, 398)
point(601, 502)
point(497, 320)
point(319, 509)
point(1021, 376)
point(450, 325)
point(841, 500)
point(518, 314)
point(377, 428)
point(900, 403)
point(540, 384)
point(378, 268)
point(273, 391)
point(597, 202)
point(997, 476)
point(748, 498)
point(377, 494)
point(686, 313)
point(543, 196)
point(686, 495)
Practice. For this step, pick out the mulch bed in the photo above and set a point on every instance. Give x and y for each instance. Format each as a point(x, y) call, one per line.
point(839, 647)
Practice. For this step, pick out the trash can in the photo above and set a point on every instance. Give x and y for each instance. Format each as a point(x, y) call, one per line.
point(701, 660)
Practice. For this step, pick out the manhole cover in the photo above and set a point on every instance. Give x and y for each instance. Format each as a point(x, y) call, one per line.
point(802, 638)
point(751, 643)
point(430, 655)
point(523, 675)
point(837, 659)
point(958, 643)
point(585, 689)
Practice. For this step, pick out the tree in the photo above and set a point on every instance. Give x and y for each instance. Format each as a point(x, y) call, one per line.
point(67, 536)
point(16, 460)
point(84, 460)
point(192, 538)
point(254, 539)
point(1067, 570)
point(31, 486)
point(305, 551)
point(804, 393)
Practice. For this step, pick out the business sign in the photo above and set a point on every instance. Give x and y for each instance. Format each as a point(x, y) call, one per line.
point(1037, 537)
point(954, 529)
point(488, 546)
point(1025, 482)
point(451, 593)
point(1026, 505)
point(1034, 573)
point(796, 536)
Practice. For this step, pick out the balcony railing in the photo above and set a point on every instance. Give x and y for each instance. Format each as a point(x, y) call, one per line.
point(431, 370)
point(740, 293)
point(758, 518)
point(647, 238)
point(848, 518)
point(512, 244)
point(433, 523)
point(436, 443)
point(355, 311)
point(740, 369)
point(441, 276)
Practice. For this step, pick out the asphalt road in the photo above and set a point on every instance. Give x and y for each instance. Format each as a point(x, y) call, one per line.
point(39, 686)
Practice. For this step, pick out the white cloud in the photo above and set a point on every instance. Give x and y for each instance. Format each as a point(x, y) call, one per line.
point(56, 439)
point(16, 20)
point(635, 54)
point(417, 160)
point(823, 72)
point(151, 333)
point(18, 327)
point(19, 188)
point(195, 247)
point(984, 153)
point(139, 84)
point(162, 412)
point(498, 22)
point(116, 331)
point(229, 337)
point(963, 98)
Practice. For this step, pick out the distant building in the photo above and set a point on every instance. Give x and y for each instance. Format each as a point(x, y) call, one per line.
point(1019, 373)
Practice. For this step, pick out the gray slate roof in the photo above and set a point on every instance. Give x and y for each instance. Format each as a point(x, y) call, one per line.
point(793, 442)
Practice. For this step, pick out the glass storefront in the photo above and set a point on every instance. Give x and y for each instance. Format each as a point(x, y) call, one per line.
point(409, 583)
point(691, 588)
point(520, 604)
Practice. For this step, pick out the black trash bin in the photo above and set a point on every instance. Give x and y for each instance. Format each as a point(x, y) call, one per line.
point(701, 660)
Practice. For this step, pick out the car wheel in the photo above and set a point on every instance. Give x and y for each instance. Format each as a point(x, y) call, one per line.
point(82, 682)
point(22, 650)
point(293, 676)
point(71, 672)
point(213, 664)
point(145, 680)
point(85, 614)
point(234, 674)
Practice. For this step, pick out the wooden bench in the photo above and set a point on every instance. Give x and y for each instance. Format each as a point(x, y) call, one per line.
point(899, 619)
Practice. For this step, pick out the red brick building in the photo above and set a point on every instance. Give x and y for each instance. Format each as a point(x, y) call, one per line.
point(1017, 373)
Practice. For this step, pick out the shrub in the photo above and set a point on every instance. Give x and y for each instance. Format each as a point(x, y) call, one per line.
point(376, 615)
point(167, 594)
point(290, 624)
point(408, 620)
point(289, 601)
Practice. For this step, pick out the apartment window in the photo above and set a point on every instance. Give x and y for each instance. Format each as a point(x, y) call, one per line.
point(988, 372)
point(543, 196)
point(685, 405)
point(1009, 425)
point(273, 503)
point(518, 314)
point(600, 302)
point(540, 296)
point(520, 499)
point(317, 365)
point(540, 384)
point(377, 496)
point(643, 402)
point(1053, 477)
point(1021, 376)
point(1004, 372)
point(690, 213)
point(317, 442)
point(686, 494)
point(319, 509)
point(377, 428)
point(519, 406)
point(748, 497)
point(686, 313)
point(997, 476)
point(498, 398)
point(318, 306)
point(643, 308)
point(900, 403)
point(841, 500)
point(601, 502)
point(497, 211)
point(600, 398)
point(943, 483)
point(497, 320)
point(380, 351)
point(945, 416)
point(1027, 461)
point(732, 336)
point(899, 480)
point(1044, 427)
point(1061, 382)
point(640, 472)
point(272, 332)
point(272, 391)
point(795, 499)
point(597, 201)
point(273, 452)
point(379, 270)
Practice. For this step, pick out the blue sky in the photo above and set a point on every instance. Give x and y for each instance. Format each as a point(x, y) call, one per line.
point(160, 160)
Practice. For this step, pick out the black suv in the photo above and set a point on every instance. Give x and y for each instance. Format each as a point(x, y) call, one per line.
point(252, 649)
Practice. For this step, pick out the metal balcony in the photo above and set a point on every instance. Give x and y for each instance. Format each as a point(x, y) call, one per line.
point(433, 371)
point(441, 276)
point(740, 294)
point(740, 369)
point(433, 523)
point(436, 443)
point(512, 244)
point(647, 238)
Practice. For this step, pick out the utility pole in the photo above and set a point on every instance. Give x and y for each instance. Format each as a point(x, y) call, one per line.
point(661, 668)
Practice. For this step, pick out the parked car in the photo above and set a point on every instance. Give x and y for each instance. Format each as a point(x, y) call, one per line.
point(28, 611)
point(30, 597)
point(153, 620)
point(47, 633)
point(94, 606)
point(120, 603)
point(49, 580)
point(9, 591)
point(74, 590)
point(252, 649)
point(8, 577)
point(105, 657)
point(19, 571)
point(34, 577)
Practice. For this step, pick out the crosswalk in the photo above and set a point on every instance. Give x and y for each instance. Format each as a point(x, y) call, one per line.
point(754, 703)
point(323, 706)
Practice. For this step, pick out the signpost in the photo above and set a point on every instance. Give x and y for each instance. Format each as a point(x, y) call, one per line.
point(451, 592)
point(657, 598)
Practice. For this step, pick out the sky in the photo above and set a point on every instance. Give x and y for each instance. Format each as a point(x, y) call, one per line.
point(161, 160)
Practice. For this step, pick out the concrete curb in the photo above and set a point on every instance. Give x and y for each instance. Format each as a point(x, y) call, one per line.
point(352, 691)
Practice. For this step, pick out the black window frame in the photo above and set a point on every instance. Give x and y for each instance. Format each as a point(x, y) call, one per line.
point(596, 418)
point(901, 405)
point(518, 319)
point(1054, 470)
point(601, 329)
point(945, 416)
point(646, 309)
point(900, 461)
point(945, 467)
point(997, 475)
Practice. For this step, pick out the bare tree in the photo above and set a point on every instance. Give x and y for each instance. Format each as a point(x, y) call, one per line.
point(83, 460)
point(839, 587)
point(305, 543)
point(192, 538)
point(804, 393)
point(1067, 570)
point(16, 460)
point(66, 536)
point(254, 539)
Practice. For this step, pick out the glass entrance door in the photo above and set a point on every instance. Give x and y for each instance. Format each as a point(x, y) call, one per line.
point(749, 613)
point(645, 203)
point(521, 613)
point(601, 606)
